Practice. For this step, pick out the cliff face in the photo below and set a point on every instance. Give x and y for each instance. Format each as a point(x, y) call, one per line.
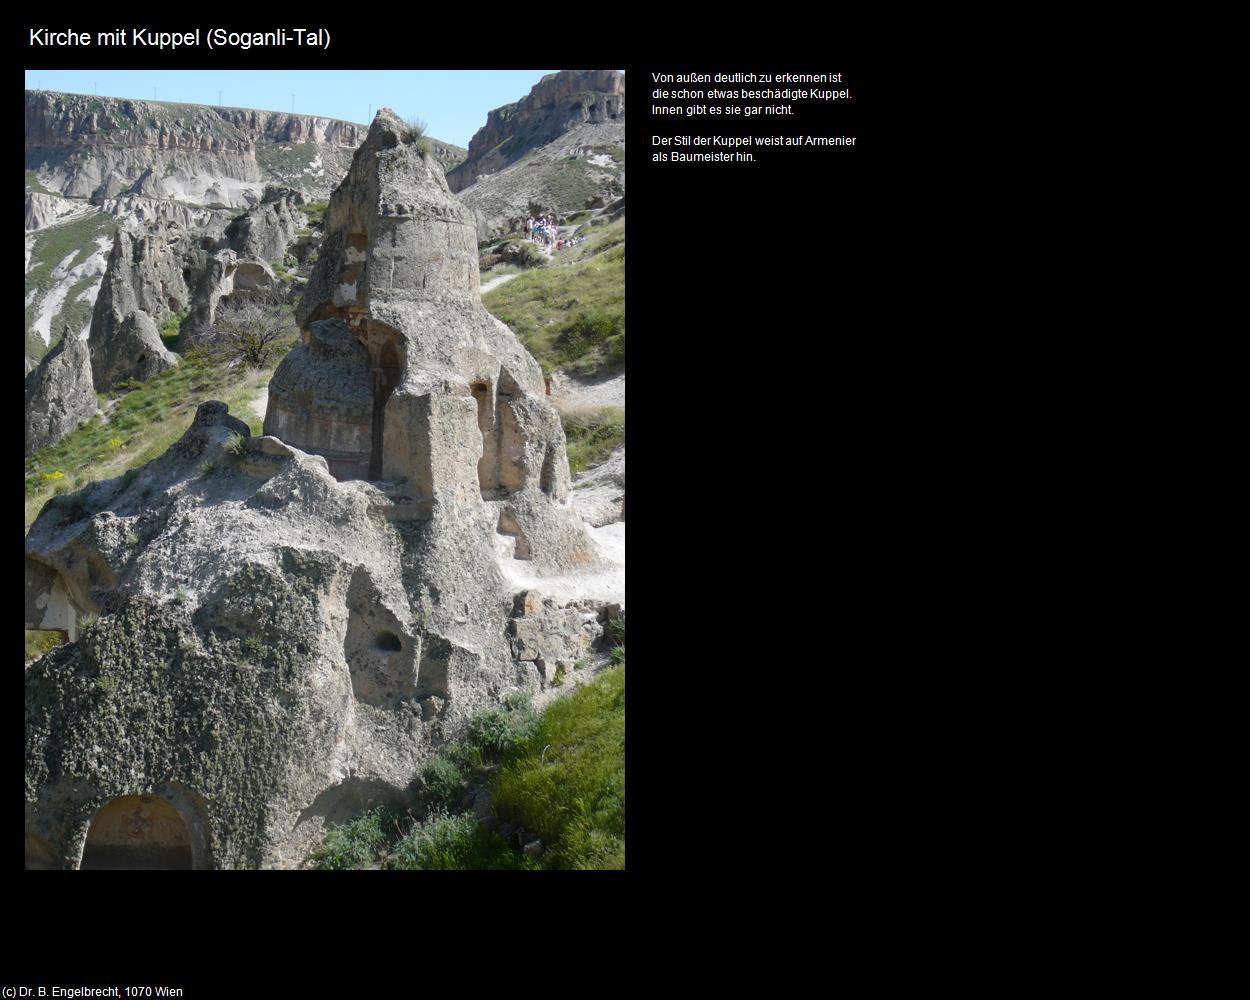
point(557, 103)
point(103, 147)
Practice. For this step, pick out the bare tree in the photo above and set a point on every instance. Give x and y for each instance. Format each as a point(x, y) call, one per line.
point(250, 329)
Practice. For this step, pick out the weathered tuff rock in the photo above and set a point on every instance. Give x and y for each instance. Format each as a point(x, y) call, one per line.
point(457, 407)
point(265, 231)
point(278, 647)
point(59, 395)
point(143, 284)
point(213, 280)
point(275, 649)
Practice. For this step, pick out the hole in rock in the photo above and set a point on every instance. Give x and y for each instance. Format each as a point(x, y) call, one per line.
point(388, 642)
point(137, 831)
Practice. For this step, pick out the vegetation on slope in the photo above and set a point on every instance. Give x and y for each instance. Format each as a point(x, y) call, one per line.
point(558, 775)
point(144, 419)
point(592, 435)
point(33, 183)
point(74, 242)
point(570, 316)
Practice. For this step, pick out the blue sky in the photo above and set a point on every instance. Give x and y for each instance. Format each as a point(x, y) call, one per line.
point(452, 102)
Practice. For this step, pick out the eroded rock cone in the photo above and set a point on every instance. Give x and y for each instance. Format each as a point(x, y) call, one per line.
point(142, 285)
point(265, 231)
point(458, 409)
point(59, 395)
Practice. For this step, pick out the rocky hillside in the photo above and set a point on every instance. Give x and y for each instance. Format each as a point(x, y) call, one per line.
point(560, 150)
point(101, 148)
point(93, 163)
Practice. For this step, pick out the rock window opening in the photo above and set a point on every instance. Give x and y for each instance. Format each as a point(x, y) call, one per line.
point(385, 378)
point(137, 832)
point(389, 642)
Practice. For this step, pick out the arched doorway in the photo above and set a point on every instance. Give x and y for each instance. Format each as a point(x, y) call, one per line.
point(137, 831)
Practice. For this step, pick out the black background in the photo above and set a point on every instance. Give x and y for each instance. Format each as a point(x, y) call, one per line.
point(773, 315)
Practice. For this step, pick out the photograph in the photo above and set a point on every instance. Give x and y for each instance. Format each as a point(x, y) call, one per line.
point(324, 469)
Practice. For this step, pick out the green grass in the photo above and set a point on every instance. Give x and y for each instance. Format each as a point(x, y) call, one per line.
point(148, 418)
point(568, 184)
point(573, 795)
point(356, 844)
point(593, 435)
point(39, 642)
point(171, 329)
point(454, 843)
point(316, 212)
point(560, 775)
point(572, 316)
point(33, 184)
point(598, 239)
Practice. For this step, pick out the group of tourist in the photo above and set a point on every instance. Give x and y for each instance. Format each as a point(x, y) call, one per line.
point(545, 232)
point(542, 230)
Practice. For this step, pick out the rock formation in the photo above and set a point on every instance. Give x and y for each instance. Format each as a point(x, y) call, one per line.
point(59, 395)
point(213, 280)
point(144, 284)
point(44, 209)
point(288, 627)
point(559, 150)
point(265, 231)
point(398, 272)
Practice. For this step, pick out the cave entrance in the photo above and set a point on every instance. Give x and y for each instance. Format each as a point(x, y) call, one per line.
point(385, 378)
point(137, 832)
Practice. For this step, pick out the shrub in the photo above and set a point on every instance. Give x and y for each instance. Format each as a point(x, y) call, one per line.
point(527, 255)
point(251, 330)
point(171, 327)
point(441, 778)
point(503, 732)
point(453, 843)
point(316, 212)
point(616, 630)
point(356, 843)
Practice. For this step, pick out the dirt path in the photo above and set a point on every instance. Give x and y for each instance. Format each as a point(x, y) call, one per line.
point(503, 279)
point(261, 402)
point(569, 393)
